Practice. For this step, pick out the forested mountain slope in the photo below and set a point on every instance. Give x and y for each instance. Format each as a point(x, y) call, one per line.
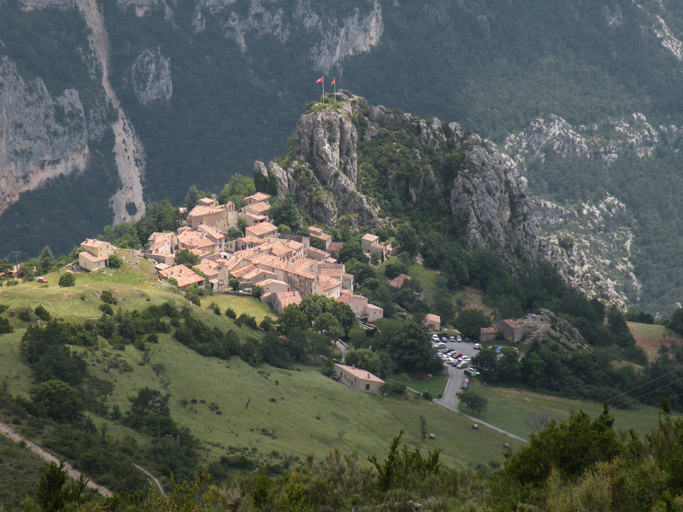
point(211, 85)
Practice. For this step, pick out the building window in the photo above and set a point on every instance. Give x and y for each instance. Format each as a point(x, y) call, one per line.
point(367, 387)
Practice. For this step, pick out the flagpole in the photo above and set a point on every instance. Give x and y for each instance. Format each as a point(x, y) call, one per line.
point(334, 81)
point(323, 89)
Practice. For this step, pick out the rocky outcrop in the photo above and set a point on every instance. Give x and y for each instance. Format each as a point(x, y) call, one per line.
point(324, 169)
point(548, 326)
point(142, 7)
point(30, 5)
point(41, 137)
point(324, 175)
point(355, 34)
point(151, 78)
point(498, 212)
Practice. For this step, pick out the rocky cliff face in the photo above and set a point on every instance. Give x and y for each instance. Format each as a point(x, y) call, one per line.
point(332, 38)
point(323, 172)
point(41, 137)
point(151, 78)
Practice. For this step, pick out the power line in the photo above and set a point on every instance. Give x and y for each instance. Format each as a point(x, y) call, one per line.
point(644, 384)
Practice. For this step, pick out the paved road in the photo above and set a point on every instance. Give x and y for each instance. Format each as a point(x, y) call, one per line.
point(454, 384)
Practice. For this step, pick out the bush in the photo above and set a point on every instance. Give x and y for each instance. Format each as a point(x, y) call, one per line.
point(106, 309)
point(66, 280)
point(230, 313)
point(108, 298)
point(427, 396)
point(248, 320)
point(25, 314)
point(115, 261)
point(42, 313)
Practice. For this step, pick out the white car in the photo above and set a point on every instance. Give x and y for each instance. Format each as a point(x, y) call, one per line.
point(462, 364)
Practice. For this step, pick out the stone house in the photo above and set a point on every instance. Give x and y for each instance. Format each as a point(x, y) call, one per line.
point(357, 379)
point(220, 218)
point(183, 275)
point(262, 230)
point(320, 234)
point(280, 300)
point(162, 247)
point(487, 334)
point(327, 286)
point(95, 255)
point(396, 283)
point(259, 197)
point(360, 307)
point(510, 330)
point(432, 322)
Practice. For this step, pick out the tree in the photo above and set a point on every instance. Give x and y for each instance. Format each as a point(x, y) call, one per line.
point(49, 493)
point(45, 261)
point(57, 400)
point(257, 291)
point(474, 401)
point(187, 258)
point(568, 448)
point(406, 236)
point(149, 410)
point(234, 284)
point(352, 251)
point(412, 351)
point(236, 190)
point(423, 427)
point(509, 366)
point(292, 318)
point(364, 359)
point(26, 272)
point(42, 313)
point(328, 324)
point(469, 321)
point(67, 280)
point(192, 198)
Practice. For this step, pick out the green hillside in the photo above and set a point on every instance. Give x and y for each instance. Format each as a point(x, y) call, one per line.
point(232, 409)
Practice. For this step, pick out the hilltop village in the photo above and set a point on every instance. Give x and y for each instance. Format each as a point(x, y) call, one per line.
point(286, 267)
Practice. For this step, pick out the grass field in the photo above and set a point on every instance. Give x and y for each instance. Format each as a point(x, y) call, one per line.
point(435, 385)
point(294, 412)
point(508, 408)
point(650, 337)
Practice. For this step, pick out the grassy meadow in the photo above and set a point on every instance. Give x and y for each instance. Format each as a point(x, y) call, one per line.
point(293, 412)
point(509, 408)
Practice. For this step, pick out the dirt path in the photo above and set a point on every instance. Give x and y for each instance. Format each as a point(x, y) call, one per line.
point(150, 475)
point(9, 433)
point(128, 150)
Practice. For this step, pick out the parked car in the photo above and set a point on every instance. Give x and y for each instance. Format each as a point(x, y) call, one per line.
point(441, 345)
point(463, 364)
point(458, 338)
point(470, 372)
point(458, 355)
point(451, 338)
point(477, 346)
point(444, 339)
point(41, 280)
point(465, 383)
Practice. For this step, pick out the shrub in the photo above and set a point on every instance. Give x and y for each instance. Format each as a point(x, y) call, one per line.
point(115, 261)
point(230, 313)
point(106, 309)
point(248, 320)
point(42, 313)
point(108, 298)
point(25, 314)
point(66, 280)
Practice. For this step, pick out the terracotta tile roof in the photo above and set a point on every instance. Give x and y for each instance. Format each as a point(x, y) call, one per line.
point(488, 330)
point(260, 230)
point(332, 272)
point(201, 210)
point(370, 238)
point(258, 208)
point(251, 240)
point(210, 231)
point(242, 272)
point(207, 201)
point(267, 282)
point(255, 272)
point(512, 323)
point(319, 252)
point(397, 282)
point(210, 268)
point(304, 264)
point(194, 239)
point(360, 374)
point(315, 231)
point(287, 298)
point(294, 245)
point(335, 247)
point(90, 242)
point(432, 318)
point(258, 197)
point(183, 275)
point(326, 283)
point(93, 259)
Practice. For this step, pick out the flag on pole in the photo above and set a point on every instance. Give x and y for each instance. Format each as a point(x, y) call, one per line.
point(319, 80)
point(333, 81)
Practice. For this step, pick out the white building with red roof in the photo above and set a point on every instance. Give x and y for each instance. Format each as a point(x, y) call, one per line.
point(357, 379)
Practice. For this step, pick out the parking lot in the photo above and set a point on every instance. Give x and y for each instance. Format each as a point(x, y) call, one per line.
point(456, 376)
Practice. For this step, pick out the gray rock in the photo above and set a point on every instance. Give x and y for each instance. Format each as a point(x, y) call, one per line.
point(142, 7)
point(151, 78)
point(30, 5)
point(41, 137)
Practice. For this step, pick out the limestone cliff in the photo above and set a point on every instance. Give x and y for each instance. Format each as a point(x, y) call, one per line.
point(151, 78)
point(41, 137)
point(323, 172)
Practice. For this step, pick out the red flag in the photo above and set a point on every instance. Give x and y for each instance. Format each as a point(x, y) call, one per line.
point(319, 80)
point(333, 81)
